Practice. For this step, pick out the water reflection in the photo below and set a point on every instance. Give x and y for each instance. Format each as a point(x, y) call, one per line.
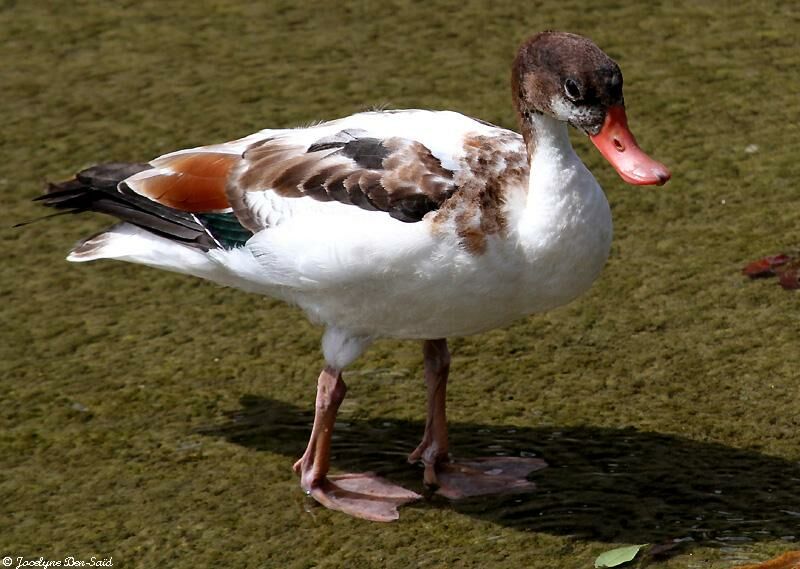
point(602, 484)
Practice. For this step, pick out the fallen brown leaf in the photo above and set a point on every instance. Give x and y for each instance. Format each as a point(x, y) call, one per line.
point(789, 560)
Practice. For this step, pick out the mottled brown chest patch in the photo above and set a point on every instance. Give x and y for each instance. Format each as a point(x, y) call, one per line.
point(492, 164)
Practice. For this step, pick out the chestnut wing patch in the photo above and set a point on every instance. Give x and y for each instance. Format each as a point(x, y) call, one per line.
point(395, 175)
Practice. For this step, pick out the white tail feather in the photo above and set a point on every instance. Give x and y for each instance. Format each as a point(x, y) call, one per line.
point(127, 242)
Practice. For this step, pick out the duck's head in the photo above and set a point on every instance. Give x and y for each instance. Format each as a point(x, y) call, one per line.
point(569, 78)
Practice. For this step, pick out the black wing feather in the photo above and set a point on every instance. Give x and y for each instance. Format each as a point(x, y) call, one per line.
point(101, 189)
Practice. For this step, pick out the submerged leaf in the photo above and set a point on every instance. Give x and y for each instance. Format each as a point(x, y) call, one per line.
point(618, 556)
point(765, 267)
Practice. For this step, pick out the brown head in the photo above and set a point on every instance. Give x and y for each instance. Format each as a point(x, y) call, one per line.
point(569, 78)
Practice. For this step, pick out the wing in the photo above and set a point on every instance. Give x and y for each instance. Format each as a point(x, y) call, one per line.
point(395, 175)
point(400, 164)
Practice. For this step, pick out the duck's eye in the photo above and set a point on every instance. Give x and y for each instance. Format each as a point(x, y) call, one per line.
point(572, 90)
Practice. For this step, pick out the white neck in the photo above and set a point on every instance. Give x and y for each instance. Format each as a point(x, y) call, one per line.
point(563, 232)
point(553, 162)
point(561, 190)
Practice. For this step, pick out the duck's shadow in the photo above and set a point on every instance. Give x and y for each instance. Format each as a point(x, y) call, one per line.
point(602, 483)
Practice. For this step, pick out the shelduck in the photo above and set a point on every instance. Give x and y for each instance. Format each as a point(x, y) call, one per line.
point(404, 224)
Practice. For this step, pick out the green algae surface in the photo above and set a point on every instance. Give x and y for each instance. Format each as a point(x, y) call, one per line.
point(153, 418)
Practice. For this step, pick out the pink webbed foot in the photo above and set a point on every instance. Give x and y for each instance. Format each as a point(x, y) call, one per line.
point(485, 476)
point(365, 496)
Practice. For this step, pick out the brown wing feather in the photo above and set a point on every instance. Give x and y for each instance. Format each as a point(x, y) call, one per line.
point(398, 176)
point(193, 182)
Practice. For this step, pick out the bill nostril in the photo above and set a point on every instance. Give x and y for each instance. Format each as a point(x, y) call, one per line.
point(618, 144)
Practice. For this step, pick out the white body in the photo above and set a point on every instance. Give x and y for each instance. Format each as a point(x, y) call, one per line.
point(364, 275)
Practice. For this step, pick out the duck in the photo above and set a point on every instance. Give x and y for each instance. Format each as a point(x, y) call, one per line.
point(408, 224)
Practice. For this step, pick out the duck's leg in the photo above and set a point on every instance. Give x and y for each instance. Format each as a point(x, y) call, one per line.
point(461, 479)
point(361, 495)
point(433, 450)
